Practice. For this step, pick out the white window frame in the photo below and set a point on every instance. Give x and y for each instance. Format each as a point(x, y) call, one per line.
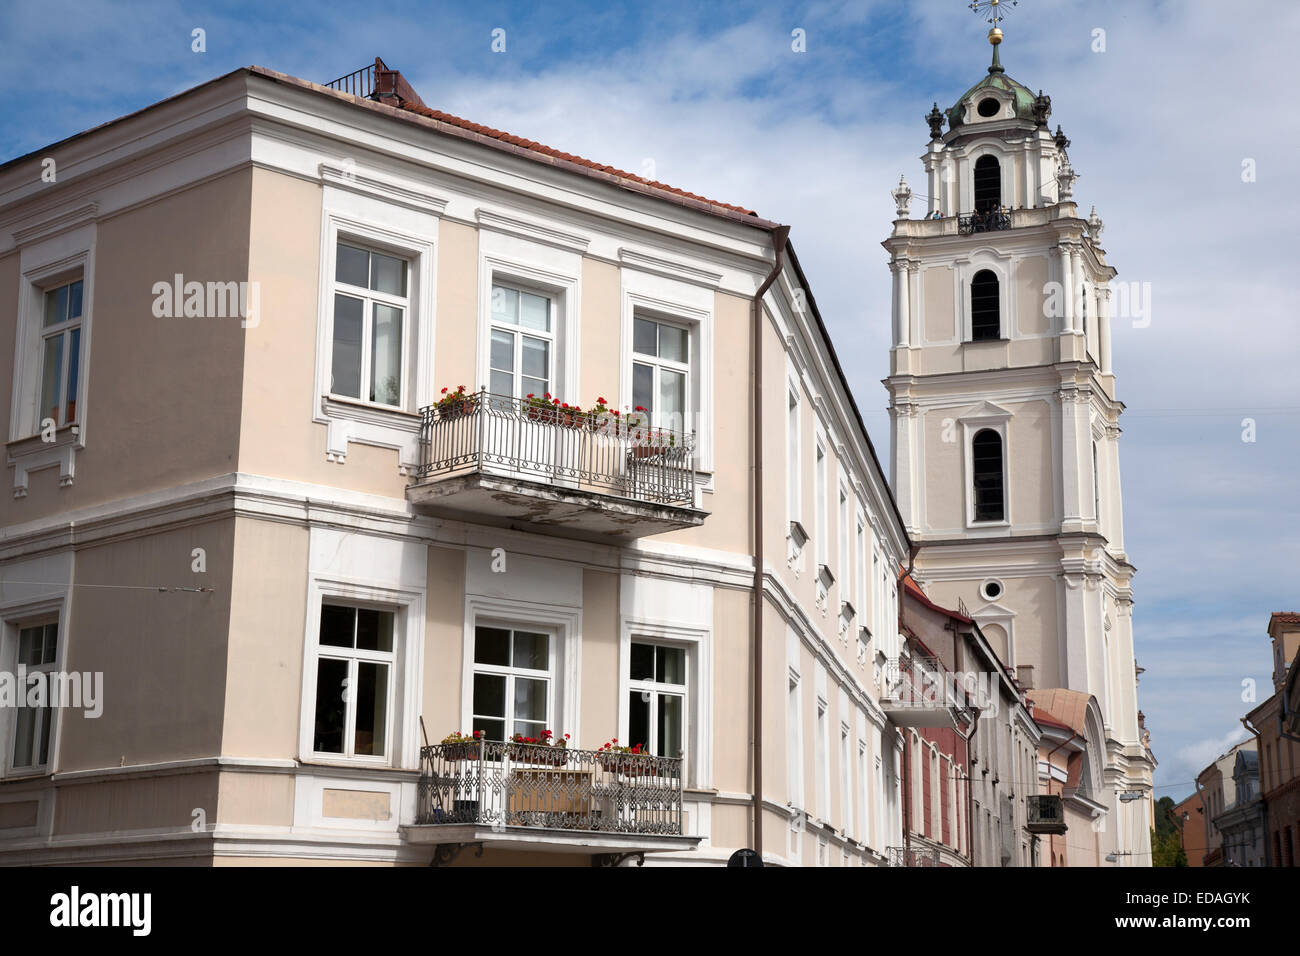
point(405, 682)
point(355, 657)
point(513, 671)
point(61, 330)
point(794, 740)
point(966, 271)
point(658, 690)
point(565, 626)
point(13, 618)
point(657, 364)
point(794, 453)
point(697, 745)
point(353, 219)
point(551, 335)
point(985, 416)
point(843, 513)
point(531, 268)
point(823, 743)
point(821, 478)
point(846, 778)
point(680, 303)
point(370, 298)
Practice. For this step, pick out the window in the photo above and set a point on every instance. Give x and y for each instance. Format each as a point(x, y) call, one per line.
point(988, 183)
point(843, 533)
point(794, 742)
point(38, 646)
point(986, 465)
point(657, 698)
point(985, 322)
point(991, 590)
point(354, 681)
point(521, 355)
point(792, 457)
point(1096, 486)
point(823, 762)
point(819, 477)
point(60, 353)
point(369, 326)
point(988, 107)
point(846, 778)
point(661, 372)
point(512, 682)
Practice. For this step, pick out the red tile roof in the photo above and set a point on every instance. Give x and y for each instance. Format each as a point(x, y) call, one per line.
point(1284, 617)
point(421, 110)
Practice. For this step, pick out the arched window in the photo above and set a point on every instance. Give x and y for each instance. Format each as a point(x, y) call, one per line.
point(985, 322)
point(986, 465)
point(988, 183)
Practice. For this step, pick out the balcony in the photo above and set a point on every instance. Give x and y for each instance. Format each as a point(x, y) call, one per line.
point(991, 221)
point(912, 856)
point(492, 458)
point(919, 691)
point(530, 797)
point(1046, 814)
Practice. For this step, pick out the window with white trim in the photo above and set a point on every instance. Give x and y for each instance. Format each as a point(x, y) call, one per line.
point(819, 478)
point(863, 830)
point(370, 326)
point(513, 681)
point(661, 372)
point(355, 679)
point(842, 535)
point(846, 781)
point(657, 698)
point(794, 742)
point(792, 457)
point(823, 761)
point(38, 647)
point(60, 353)
point(521, 350)
point(861, 559)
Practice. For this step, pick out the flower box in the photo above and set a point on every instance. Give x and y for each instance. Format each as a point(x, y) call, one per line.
point(629, 765)
point(469, 750)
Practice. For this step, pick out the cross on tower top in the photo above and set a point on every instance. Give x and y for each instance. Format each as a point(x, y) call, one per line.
point(994, 11)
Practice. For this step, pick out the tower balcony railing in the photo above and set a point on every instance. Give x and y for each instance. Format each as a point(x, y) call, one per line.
point(994, 220)
point(496, 784)
point(522, 460)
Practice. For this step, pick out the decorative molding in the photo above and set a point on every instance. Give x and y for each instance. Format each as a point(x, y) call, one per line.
point(381, 187)
point(54, 225)
point(529, 229)
point(635, 259)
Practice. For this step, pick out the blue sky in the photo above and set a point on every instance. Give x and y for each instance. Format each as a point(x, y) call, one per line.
point(715, 101)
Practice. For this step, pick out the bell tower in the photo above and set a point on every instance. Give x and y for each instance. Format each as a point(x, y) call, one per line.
point(1004, 416)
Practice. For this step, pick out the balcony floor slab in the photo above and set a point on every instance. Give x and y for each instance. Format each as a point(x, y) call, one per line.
point(542, 839)
point(554, 508)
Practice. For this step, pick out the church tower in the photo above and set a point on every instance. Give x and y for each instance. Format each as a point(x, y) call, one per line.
point(1005, 425)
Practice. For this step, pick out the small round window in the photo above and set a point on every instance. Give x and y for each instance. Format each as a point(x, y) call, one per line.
point(992, 590)
point(988, 107)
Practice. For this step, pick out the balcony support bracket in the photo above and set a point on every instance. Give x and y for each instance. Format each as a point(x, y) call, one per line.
point(616, 859)
point(445, 853)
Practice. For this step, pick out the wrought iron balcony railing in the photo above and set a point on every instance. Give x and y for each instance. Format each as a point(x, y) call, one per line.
point(992, 221)
point(1046, 814)
point(918, 681)
point(912, 856)
point(491, 783)
point(516, 438)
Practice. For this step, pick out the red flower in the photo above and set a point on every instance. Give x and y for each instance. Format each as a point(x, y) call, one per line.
point(600, 401)
point(530, 395)
point(639, 408)
point(444, 391)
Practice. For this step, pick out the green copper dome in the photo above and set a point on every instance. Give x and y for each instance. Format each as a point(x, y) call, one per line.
point(1023, 97)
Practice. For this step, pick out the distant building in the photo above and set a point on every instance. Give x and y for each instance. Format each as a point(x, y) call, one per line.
point(1242, 823)
point(1071, 759)
point(1218, 790)
point(1276, 727)
point(1189, 818)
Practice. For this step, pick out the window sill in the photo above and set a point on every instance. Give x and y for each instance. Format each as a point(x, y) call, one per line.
point(351, 420)
point(33, 454)
point(998, 341)
point(976, 525)
point(335, 405)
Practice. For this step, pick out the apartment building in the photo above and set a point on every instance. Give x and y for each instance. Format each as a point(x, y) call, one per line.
point(336, 605)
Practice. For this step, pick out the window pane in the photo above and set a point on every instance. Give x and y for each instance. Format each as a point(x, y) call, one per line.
point(387, 274)
point(346, 362)
point(535, 311)
point(535, 386)
point(671, 665)
point(505, 305)
point(51, 643)
point(674, 343)
point(670, 725)
point(490, 729)
point(503, 383)
point(643, 662)
point(74, 300)
point(530, 728)
point(643, 337)
point(24, 735)
point(638, 717)
point(530, 699)
point(352, 265)
point(502, 356)
point(52, 372)
point(337, 625)
point(56, 304)
point(672, 400)
point(374, 630)
point(43, 751)
point(386, 356)
point(331, 709)
point(74, 359)
point(371, 731)
point(643, 384)
point(490, 695)
point(531, 650)
point(30, 645)
point(491, 646)
point(536, 360)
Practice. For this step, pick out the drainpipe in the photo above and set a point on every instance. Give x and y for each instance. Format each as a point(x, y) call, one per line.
point(780, 235)
point(1263, 822)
